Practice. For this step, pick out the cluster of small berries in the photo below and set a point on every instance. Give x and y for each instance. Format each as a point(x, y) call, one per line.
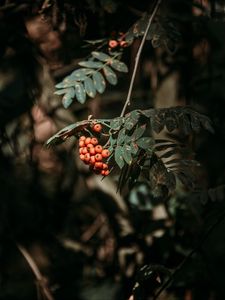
point(93, 154)
point(114, 43)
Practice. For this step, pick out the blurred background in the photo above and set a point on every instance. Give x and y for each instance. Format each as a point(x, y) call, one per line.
point(64, 232)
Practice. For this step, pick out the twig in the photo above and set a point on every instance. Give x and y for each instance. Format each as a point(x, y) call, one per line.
point(40, 278)
point(178, 269)
point(137, 58)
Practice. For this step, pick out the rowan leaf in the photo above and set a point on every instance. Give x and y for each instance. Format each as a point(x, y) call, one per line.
point(91, 64)
point(110, 75)
point(68, 97)
point(145, 142)
point(119, 156)
point(101, 56)
point(89, 87)
point(99, 82)
point(119, 66)
point(80, 92)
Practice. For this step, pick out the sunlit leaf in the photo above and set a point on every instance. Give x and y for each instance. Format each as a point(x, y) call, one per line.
point(68, 97)
point(89, 87)
point(99, 82)
point(80, 92)
point(110, 75)
point(101, 56)
point(60, 92)
point(91, 64)
point(79, 74)
point(119, 66)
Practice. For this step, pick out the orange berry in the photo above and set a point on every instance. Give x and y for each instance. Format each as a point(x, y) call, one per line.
point(98, 165)
point(92, 160)
point(98, 149)
point(98, 157)
point(105, 153)
point(84, 151)
point(97, 127)
point(103, 172)
point(87, 140)
point(80, 150)
point(82, 138)
point(123, 44)
point(113, 43)
point(92, 151)
point(87, 157)
point(81, 143)
point(94, 141)
point(82, 156)
point(105, 166)
point(106, 172)
point(89, 146)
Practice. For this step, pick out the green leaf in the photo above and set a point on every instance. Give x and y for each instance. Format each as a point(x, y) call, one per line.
point(134, 148)
point(68, 97)
point(116, 123)
point(110, 75)
point(119, 156)
point(119, 66)
point(80, 92)
point(131, 119)
point(147, 113)
point(145, 142)
point(127, 154)
point(99, 82)
point(60, 92)
point(89, 87)
point(94, 42)
point(101, 56)
point(80, 74)
point(91, 64)
point(121, 136)
point(138, 132)
point(67, 82)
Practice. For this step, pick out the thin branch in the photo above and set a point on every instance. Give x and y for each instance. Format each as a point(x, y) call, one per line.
point(137, 58)
point(40, 278)
point(193, 251)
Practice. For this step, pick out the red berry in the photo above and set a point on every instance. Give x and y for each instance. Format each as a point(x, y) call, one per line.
point(98, 165)
point(98, 149)
point(103, 172)
point(87, 140)
point(84, 151)
point(92, 160)
point(94, 141)
point(106, 172)
point(87, 157)
point(92, 151)
point(98, 157)
point(82, 138)
point(97, 127)
point(123, 44)
point(113, 43)
point(105, 166)
point(80, 150)
point(82, 156)
point(89, 147)
point(105, 153)
point(81, 143)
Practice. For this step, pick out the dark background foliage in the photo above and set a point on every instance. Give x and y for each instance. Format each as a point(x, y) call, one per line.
point(88, 241)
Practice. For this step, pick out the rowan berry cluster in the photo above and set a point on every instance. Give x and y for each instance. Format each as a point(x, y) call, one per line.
point(93, 154)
